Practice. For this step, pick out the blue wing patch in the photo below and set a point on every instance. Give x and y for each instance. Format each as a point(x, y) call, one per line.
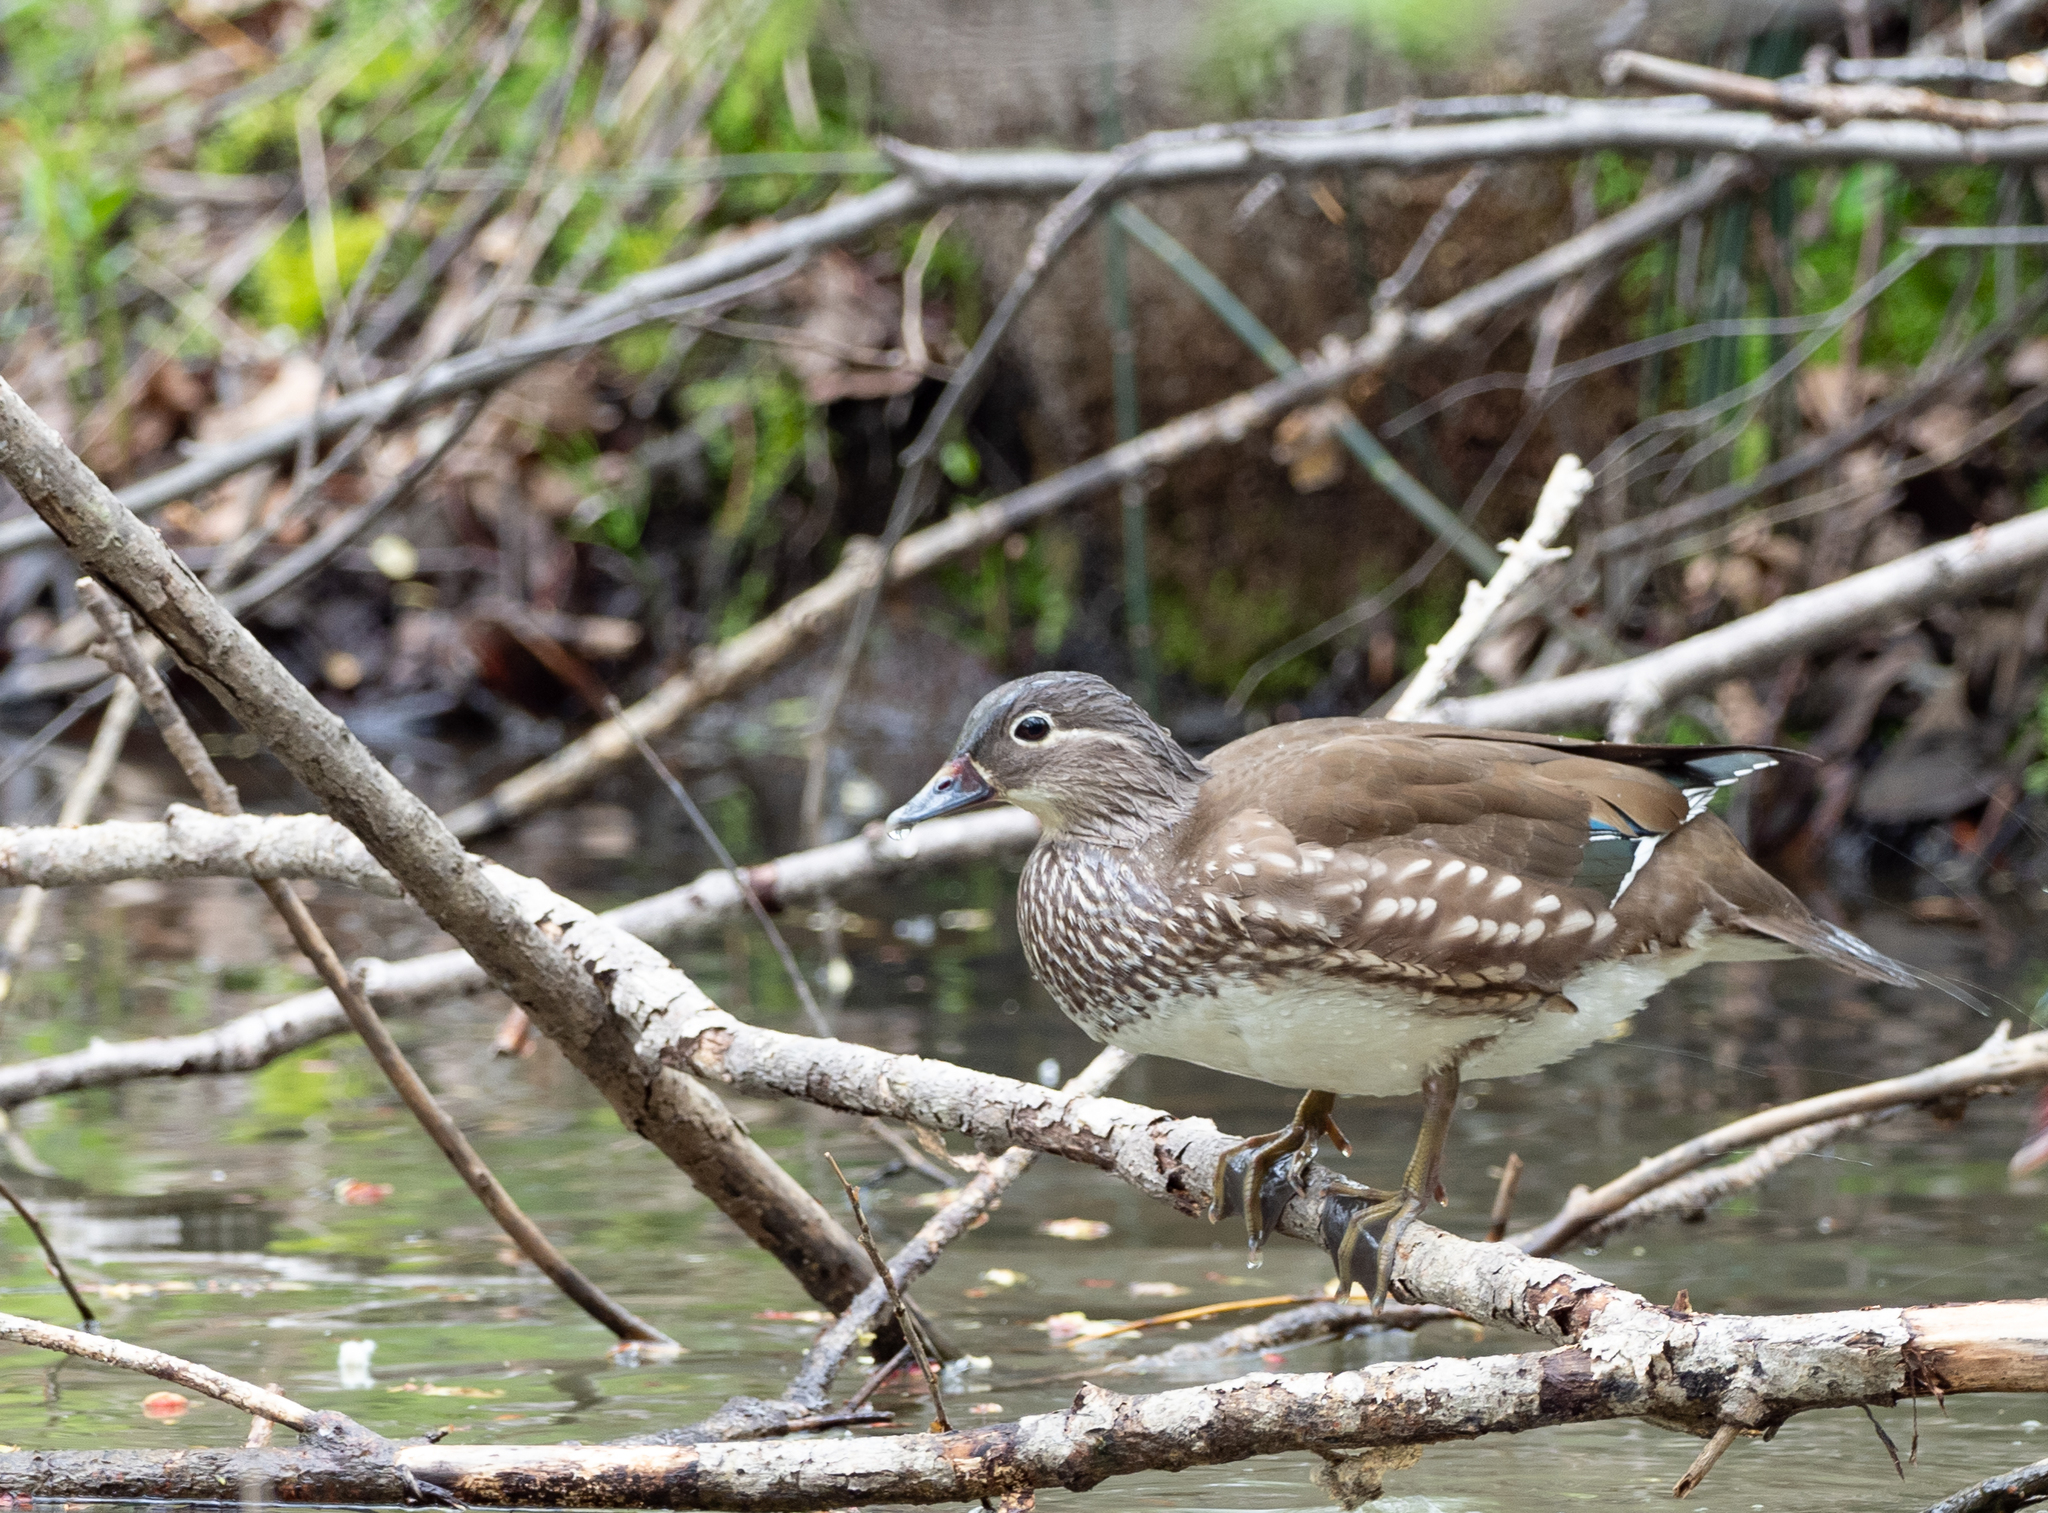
point(1706, 776)
point(1614, 855)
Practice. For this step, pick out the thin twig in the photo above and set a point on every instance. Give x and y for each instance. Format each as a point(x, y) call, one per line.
point(710, 836)
point(1998, 1060)
point(813, 1377)
point(912, 1334)
point(1434, 231)
point(219, 795)
point(1713, 1450)
point(1504, 1199)
point(914, 354)
point(1561, 496)
point(1832, 103)
point(84, 793)
point(92, 1324)
point(875, 1378)
point(246, 1396)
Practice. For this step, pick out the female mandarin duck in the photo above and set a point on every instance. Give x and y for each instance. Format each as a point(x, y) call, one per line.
point(1355, 906)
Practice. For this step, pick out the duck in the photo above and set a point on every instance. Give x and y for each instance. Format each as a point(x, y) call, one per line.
point(1364, 908)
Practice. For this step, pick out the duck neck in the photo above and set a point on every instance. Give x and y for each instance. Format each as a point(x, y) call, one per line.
point(1124, 818)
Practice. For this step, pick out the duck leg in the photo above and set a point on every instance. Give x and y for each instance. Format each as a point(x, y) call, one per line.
point(1263, 1186)
point(1358, 1208)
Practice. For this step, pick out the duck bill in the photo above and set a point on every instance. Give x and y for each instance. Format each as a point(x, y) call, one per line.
point(956, 786)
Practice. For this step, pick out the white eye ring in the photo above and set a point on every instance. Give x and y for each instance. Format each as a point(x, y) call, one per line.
point(1041, 727)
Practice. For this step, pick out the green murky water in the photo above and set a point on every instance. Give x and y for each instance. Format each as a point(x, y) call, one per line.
point(207, 1211)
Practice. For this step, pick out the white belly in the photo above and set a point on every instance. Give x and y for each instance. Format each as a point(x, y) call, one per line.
point(1381, 1040)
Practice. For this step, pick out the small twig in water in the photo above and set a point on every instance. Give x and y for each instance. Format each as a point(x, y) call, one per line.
point(873, 1384)
point(1189, 1315)
point(1702, 1463)
point(92, 1323)
point(85, 792)
point(1886, 1440)
point(911, 1333)
point(1504, 1199)
point(247, 1396)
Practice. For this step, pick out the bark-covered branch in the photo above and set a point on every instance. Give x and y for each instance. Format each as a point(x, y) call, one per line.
point(1620, 1356)
point(254, 1039)
point(1832, 103)
point(1170, 1159)
point(186, 843)
point(679, 1117)
point(1628, 693)
point(1616, 1355)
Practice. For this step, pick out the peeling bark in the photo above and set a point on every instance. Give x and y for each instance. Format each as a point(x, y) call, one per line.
point(681, 1119)
point(190, 843)
point(1692, 1372)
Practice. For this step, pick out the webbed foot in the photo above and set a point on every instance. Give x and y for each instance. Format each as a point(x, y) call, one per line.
point(1354, 1214)
point(1260, 1176)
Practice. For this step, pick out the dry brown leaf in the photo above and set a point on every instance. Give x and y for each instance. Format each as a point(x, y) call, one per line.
point(847, 311)
point(1938, 431)
point(289, 393)
point(1075, 1229)
point(1305, 443)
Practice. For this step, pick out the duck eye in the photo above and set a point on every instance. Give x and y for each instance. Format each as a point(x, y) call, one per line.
point(1033, 727)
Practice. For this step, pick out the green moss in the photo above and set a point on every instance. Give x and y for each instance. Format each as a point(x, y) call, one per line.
point(282, 289)
point(1246, 47)
point(1212, 640)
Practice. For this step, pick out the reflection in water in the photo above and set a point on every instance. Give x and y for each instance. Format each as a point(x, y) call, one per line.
point(206, 1209)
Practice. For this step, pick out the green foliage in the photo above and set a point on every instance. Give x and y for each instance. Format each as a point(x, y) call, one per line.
point(284, 290)
point(1214, 639)
point(1906, 321)
point(960, 463)
point(1246, 46)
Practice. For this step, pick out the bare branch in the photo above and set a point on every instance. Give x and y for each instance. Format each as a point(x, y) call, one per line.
point(680, 1117)
point(128, 658)
point(1560, 499)
point(2000, 1059)
point(1713, 1374)
point(1982, 562)
point(85, 792)
point(255, 1039)
point(2003, 1493)
point(1832, 103)
point(246, 1396)
point(190, 843)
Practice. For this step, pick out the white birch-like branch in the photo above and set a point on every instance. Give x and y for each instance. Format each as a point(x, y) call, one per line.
point(1561, 497)
point(257, 1401)
point(1629, 693)
point(190, 843)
